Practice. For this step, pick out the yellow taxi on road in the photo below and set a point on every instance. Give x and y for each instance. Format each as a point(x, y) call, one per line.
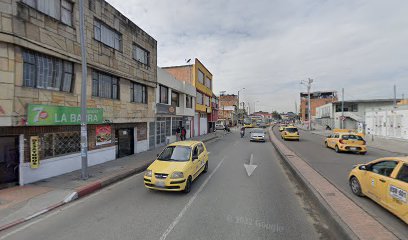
point(248, 125)
point(385, 181)
point(290, 133)
point(281, 127)
point(177, 166)
point(346, 142)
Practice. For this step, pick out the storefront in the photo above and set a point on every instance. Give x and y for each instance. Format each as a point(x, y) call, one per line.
point(49, 144)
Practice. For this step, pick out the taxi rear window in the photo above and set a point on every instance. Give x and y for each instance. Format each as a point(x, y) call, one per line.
point(291, 130)
point(352, 137)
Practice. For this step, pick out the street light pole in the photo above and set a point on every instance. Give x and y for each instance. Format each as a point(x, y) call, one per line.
point(342, 109)
point(308, 84)
point(84, 131)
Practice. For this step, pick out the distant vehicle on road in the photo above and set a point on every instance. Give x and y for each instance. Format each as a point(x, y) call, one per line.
point(248, 123)
point(346, 142)
point(290, 133)
point(177, 166)
point(257, 135)
point(385, 181)
point(219, 126)
point(281, 127)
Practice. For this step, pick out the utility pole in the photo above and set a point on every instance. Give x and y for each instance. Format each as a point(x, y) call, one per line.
point(84, 131)
point(395, 96)
point(308, 84)
point(342, 109)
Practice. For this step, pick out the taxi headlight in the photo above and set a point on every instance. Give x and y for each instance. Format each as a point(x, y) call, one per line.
point(148, 173)
point(177, 175)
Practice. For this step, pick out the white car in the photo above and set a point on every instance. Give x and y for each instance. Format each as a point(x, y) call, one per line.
point(219, 126)
point(257, 134)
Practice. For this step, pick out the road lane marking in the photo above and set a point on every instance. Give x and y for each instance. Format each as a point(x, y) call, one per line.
point(189, 203)
point(66, 207)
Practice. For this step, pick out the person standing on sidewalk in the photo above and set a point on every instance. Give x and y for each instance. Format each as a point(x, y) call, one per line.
point(183, 134)
point(178, 131)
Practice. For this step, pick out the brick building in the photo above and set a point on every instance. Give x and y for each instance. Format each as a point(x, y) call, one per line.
point(202, 79)
point(228, 106)
point(40, 84)
point(317, 99)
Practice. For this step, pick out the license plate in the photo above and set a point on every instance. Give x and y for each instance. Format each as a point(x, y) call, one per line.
point(159, 183)
point(353, 149)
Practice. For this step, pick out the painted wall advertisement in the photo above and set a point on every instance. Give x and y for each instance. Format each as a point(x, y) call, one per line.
point(34, 152)
point(103, 135)
point(46, 115)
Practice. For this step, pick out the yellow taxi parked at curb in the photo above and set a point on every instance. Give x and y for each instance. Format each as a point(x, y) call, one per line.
point(177, 166)
point(385, 181)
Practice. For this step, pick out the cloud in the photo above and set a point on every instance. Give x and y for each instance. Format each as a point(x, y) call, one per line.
point(269, 46)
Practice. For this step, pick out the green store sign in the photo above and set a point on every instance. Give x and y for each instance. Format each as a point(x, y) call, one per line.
point(45, 115)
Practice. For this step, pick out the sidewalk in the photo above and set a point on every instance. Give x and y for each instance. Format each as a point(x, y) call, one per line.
point(386, 144)
point(20, 204)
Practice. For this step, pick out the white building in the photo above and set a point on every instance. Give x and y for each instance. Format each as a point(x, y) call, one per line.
point(388, 122)
point(175, 107)
point(354, 113)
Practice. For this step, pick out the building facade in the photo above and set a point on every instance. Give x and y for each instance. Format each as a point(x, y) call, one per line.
point(228, 108)
point(40, 84)
point(354, 113)
point(388, 122)
point(202, 79)
point(175, 102)
point(317, 99)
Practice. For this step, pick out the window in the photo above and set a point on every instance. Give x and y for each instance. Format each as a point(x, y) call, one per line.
point(384, 168)
point(189, 101)
point(56, 144)
point(164, 95)
point(58, 9)
point(105, 85)
point(207, 100)
point(138, 93)
point(43, 71)
point(200, 77)
point(141, 55)
point(175, 99)
point(207, 82)
point(199, 98)
point(200, 148)
point(105, 34)
point(403, 173)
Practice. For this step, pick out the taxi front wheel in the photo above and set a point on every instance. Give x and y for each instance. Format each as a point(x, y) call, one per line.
point(337, 149)
point(356, 187)
point(187, 188)
point(206, 167)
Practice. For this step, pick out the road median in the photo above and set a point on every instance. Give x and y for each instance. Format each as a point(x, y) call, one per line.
point(341, 212)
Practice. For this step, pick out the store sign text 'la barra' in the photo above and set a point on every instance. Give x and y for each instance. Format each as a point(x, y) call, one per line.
point(46, 115)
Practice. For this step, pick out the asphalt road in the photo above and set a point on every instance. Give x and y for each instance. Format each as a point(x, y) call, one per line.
point(335, 167)
point(224, 204)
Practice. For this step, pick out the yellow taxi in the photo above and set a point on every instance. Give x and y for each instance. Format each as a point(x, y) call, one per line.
point(290, 133)
point(281, 127)
point(385, 181)
point(177, 166)
point(346, 142)
point(248, 125)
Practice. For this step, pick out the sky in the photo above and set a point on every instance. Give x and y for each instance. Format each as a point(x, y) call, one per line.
point(269, 46)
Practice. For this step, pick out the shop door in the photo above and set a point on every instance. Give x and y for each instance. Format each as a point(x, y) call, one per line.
point(9, 161)
point(125, 142)
point(161, 133)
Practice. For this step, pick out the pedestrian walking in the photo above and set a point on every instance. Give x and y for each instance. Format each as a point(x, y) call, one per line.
point(183, 134)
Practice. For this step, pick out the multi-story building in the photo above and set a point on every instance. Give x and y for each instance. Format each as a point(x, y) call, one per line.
point(228, 108)
point(175, 102)
point(317, 99)
point(40, 85)
point(213, 117)
point(202, 79)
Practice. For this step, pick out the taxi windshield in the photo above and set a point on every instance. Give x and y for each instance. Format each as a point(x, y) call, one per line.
point(175, 153)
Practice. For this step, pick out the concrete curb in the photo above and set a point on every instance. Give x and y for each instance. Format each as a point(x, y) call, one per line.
point(86, 190)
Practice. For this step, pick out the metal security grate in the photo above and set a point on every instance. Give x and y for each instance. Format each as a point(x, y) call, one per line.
point(56, 144)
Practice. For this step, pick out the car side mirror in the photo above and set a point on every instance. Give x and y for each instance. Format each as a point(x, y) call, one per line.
point(363, 167)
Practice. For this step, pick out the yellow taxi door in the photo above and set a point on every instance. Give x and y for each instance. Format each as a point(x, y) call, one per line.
point(397, 193)
point(378, 178)
point(195, 159)
point(333, 140)
point(201, 158)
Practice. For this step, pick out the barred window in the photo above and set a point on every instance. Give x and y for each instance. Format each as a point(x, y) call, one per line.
point(58, 9)
point(105, 85)
point(175, 99)
point(138, 93)
point(62, 143)
point(164, 95)
point(105, 34)
point(140, 54)
point(43, 71)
